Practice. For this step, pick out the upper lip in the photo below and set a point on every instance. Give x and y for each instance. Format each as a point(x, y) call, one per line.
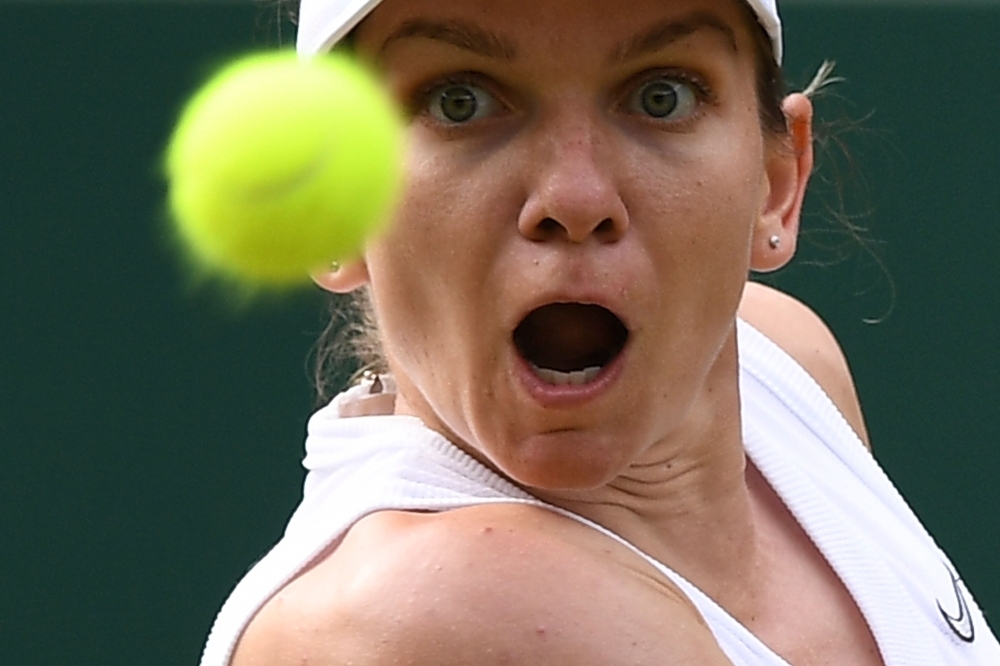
point(605, 280)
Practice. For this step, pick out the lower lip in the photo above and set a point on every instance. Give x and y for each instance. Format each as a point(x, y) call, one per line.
point(569, 395)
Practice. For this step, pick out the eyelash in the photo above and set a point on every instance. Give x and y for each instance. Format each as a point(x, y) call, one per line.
point(698, 83)
point(419, 102)
point(703, 93)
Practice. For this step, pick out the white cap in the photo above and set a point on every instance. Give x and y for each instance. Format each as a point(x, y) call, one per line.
point(323, 23)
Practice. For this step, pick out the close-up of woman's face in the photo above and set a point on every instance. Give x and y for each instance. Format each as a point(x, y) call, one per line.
point(586, 189)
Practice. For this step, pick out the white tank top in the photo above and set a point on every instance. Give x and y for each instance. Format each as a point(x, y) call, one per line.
point(919, 611)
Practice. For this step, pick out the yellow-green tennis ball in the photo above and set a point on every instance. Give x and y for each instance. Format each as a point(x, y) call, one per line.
point(279, 166)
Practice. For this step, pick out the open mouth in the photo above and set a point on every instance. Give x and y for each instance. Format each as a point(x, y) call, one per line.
point(570, 343)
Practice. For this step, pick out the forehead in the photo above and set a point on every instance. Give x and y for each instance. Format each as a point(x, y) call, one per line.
point(507, 28)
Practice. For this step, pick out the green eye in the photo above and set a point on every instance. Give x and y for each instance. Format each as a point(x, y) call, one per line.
point(460, 103)
point(666, 99)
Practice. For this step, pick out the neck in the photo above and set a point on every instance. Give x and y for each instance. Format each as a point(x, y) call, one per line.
point(687, 502)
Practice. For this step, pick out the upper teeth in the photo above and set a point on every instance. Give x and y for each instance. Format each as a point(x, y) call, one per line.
point(557, 378)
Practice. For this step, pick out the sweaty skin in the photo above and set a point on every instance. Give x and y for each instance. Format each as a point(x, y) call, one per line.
point(562, 186)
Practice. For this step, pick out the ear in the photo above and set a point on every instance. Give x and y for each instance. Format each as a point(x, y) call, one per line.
point(789, 165)
point(343, 278)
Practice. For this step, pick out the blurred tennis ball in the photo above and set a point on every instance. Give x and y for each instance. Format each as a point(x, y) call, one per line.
point(279, 166)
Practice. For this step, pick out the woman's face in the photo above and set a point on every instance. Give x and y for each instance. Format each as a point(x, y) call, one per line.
point(585, 184)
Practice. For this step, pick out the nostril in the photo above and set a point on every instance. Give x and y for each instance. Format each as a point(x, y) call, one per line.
point(549, 227)
point(606, 228)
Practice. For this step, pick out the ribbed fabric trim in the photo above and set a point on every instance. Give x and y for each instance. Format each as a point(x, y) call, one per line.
point(891, 566)
point(314, 526)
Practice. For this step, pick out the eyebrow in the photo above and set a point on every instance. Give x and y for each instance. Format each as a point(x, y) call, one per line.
point(665, 33)
point(464, 35)
point(470, 37)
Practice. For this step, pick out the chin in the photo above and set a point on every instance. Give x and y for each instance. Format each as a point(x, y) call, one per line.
point(564, 460)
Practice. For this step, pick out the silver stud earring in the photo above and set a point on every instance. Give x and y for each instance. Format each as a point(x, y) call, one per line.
point(774, 241)
point(334, 266)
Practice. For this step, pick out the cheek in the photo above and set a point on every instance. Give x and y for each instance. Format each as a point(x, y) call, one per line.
point(695, 214)
point(430, 271)
point(700, 210)
point(459, 209)
point(441, 213)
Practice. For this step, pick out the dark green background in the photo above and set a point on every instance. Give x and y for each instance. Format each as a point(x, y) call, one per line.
point(150, 435)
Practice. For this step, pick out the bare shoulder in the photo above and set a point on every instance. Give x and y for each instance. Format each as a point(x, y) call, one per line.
point(485, 585)
point(800, 332)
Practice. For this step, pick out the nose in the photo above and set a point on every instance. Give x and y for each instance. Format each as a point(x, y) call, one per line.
point(573, 195)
